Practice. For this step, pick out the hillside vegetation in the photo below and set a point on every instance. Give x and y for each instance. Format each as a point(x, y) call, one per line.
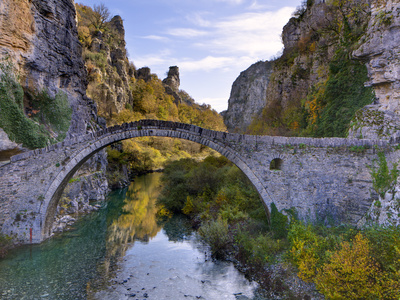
point(124, 94)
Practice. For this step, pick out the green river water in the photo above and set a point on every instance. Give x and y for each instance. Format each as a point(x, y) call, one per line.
point(122, 252)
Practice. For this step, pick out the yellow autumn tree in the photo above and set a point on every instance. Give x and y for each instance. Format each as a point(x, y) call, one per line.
point(352, 273)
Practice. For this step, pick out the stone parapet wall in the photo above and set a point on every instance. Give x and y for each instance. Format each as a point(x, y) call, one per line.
point(222, 136)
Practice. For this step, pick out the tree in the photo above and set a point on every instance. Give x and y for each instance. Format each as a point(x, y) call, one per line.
point(101, 17)
point(352, 273)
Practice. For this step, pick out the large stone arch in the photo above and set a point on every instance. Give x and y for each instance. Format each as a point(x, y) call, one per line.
point(148, 128)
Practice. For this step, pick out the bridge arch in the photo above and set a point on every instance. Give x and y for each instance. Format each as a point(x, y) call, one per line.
point(144, 128)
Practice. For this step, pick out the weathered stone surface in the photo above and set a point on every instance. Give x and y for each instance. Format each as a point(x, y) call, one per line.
point(323, 179)
point(172, 83)
point(248, 96)
point(173, 80)
point(381, 49)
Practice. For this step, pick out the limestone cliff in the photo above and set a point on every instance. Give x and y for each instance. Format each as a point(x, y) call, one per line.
point(337, 75)
point(109, 71)
point(380, 48)
point(248, 95)
point(40, 37)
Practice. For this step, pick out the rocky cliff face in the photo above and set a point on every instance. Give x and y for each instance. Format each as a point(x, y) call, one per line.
point(248, 95)
point(282, 84)
point(109, 81)
point(40, 37)
point(380, 48)
point(317, 51)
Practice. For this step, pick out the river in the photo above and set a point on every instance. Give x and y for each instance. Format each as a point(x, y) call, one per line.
point(122, 252)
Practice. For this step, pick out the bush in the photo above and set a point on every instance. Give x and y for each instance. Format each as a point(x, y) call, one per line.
point(216, 235)
point(345, 93)
point(12, 118)
point(55, 112)
point(383, 179)
point(259, 249)
point(279, 223)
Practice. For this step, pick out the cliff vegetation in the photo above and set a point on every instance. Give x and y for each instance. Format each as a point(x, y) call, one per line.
point(34, 120)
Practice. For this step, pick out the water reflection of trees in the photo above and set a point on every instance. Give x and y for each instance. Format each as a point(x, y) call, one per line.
point(138, 219)
point(134, 220)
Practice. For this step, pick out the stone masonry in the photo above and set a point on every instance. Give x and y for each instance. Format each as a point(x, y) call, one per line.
point(324, 179)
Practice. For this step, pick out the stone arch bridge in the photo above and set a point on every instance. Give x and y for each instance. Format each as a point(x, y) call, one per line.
point(322, 179)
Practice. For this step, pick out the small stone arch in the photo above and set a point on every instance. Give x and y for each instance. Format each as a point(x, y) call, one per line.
point(276, 164)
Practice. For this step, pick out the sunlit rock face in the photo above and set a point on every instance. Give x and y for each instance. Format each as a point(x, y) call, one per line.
point(248, 96)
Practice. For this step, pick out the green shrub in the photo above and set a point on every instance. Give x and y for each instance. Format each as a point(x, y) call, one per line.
point(385, 246)
point(383, 179)
point(216, 235)
point(55, 113)
point(259, 249)
point(12, 118)
point(345, 94)
point(279, 223)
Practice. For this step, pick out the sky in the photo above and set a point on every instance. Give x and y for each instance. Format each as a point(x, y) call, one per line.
point(211, 41)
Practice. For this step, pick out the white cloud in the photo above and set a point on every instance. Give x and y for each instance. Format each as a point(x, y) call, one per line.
point(211, 63)
point(231, 1)
point(198, 19)
point(186, 32)
point(219, 104)
point(257, 6)
point(155, 38)
point(153, 59)
point(253, 34)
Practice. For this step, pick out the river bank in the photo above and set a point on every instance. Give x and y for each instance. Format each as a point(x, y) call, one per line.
point(289, 258)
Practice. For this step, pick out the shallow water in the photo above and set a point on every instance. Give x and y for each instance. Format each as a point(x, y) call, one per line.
point(122, 252)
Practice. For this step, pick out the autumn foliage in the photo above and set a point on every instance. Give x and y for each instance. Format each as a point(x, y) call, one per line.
point(348, 266)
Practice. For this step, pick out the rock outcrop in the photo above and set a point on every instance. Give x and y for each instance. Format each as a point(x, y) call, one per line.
point(281, 83)
point(7, 147)
point(172, 83)
point(110, 72)
point(248, 95)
